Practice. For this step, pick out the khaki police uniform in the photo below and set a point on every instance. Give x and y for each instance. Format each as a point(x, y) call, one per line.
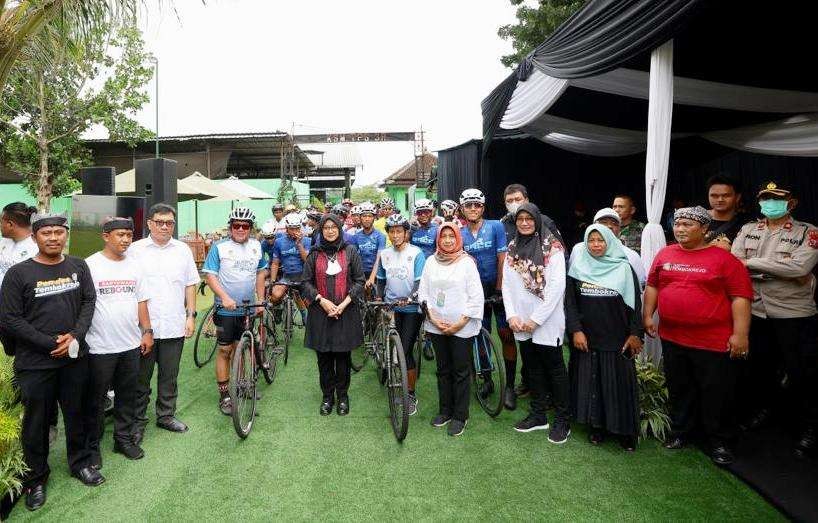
point(784, 328)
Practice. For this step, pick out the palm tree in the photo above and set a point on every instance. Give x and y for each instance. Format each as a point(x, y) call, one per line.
point(70, 20)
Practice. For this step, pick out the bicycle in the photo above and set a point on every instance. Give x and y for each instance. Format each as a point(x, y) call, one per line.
point(207, 328)
point(283, 313)
point(368, 324)
point(488, 368)
point(386, 350)
point(253, 354)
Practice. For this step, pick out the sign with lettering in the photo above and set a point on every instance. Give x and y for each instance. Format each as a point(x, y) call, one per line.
point(354, 137)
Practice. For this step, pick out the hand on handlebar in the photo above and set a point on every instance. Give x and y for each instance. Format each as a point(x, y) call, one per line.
point(229, 304)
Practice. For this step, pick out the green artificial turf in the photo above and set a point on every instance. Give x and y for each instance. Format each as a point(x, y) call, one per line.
point(297, 465)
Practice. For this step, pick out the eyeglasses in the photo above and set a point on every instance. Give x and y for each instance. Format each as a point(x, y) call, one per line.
point(164, 223)
point(473, 205)
point(240, 226)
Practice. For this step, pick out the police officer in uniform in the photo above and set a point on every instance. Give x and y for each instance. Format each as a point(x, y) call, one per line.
point(780, 253)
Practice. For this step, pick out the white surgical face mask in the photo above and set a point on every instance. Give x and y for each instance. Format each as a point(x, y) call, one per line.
point(512, 208)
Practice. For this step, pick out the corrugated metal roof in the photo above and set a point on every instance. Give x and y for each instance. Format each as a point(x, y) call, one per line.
point(213, 136)
point(335, 157)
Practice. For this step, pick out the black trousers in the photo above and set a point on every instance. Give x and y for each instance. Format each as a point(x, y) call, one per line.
point(453, 356)
point(165, 355)
point(779, 347)
point(408, 326)
point(119, 372)
point(546, 374)
point(333, 374)
point(701, 386)
point(41, 389)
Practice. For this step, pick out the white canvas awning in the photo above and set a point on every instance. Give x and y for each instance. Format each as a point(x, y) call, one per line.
point(234, 184)
point(194, 186)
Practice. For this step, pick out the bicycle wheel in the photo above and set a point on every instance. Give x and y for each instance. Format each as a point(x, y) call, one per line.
point(379, 354)
point(361, 354)
point(417, 352)
point(206, 333)
point(268, 351)
point(397, 385)
point(489, 374)
point(289, 310)
point(243, 385)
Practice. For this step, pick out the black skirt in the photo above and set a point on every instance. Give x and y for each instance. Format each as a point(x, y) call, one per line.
point(325, 334)
point(604, 391)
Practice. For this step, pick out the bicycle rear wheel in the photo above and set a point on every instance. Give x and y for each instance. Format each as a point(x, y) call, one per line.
point(206, 336)
point(243, 386)
point(289, 310)
point(417, 350)
point(268, 351)
point(361, 354)
point(397, 385)
point(489, 374)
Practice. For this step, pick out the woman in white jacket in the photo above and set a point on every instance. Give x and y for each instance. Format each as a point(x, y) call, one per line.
point(533, 292)
point(452, 293)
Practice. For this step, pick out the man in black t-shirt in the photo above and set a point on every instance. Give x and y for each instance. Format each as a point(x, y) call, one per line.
point(46, 304)
point(726, 218)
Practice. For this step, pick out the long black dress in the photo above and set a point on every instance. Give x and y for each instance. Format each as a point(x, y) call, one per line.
point(325, 334)
point(604, 391)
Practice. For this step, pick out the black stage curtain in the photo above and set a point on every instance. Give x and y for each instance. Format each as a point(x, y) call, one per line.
point(560, 181)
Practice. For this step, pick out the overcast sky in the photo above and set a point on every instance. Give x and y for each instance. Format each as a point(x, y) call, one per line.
point(328, 66)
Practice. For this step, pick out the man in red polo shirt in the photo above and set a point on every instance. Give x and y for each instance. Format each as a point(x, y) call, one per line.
point(703, 295)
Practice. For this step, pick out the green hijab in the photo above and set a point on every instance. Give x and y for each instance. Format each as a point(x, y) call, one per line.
point(611, 270)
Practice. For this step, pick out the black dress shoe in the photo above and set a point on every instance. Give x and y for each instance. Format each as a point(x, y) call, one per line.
point(807, 444)
point(674, 443)
point(171, 424)
point(35, 497)
point(89, 476)
point(596, 437)
point(628, 443)
point(326, 408)
point(138, 436)
point(722, 455)
point(129, 450)
point(95, 462)
point(343, 407)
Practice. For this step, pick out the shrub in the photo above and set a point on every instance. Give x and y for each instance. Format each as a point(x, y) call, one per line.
point(653, 401)
point(12, 466)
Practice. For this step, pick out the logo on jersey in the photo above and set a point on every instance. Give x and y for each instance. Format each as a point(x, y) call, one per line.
point(683, 267)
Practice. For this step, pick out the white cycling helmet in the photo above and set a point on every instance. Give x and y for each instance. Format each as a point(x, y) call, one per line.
point(448, 207)
point(397, 220)
point(424, 204)
point(268, 230)
point(242, 214)
point(366, 208)
point(292, 220)
point(387, 202)
point(472, 196)
point(356, 210)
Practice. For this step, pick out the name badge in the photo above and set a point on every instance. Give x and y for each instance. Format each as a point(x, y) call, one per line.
point(440, 299)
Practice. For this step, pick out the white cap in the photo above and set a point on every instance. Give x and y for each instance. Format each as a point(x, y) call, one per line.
point(607, 212)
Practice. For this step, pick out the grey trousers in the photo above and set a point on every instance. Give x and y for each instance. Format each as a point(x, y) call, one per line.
point(166, 355)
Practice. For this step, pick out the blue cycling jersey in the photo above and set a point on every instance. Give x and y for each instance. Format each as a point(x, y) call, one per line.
point(425, 238)
point(485, 246)
point(368, 247)
point(285, 251)
point(267, 249)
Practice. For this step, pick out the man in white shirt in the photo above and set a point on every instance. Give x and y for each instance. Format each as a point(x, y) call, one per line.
point(120, 332)
point(171, 277)
point(16, 245)
point(610, 219)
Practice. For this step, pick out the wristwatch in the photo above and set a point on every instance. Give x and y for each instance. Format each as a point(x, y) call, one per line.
point(191, 314)
point(147, 331)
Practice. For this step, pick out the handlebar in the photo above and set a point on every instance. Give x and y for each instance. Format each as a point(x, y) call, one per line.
point(247, 305)
point(390, 305)
point(496, 298)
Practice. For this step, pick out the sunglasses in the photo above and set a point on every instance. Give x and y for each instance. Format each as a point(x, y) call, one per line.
point(164, 223)
point(240, 226)
point(473, 205)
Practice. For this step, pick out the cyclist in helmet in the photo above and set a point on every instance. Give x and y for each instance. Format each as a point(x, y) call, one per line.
point(234, 271)
point(290, 208)
point(485, 241)
point(386, 207)
point(289, 253)
point(355, 216)
point(268, 239)
point(399, 271)
point(424, 233)
point(277, 221)
point(448, 210)
point(368, 241)
point(311, 227)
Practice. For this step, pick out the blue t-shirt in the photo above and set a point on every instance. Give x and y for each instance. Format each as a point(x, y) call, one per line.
point(368, 247)
point(236, 265)
point(401, 269)
point(425, 238)
point(484, 248)
point(267, 249)
point(286, 252)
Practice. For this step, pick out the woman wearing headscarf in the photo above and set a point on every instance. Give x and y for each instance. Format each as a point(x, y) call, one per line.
point(603, 310)
point(533, 289)
point(452, 293)
point(333, 281)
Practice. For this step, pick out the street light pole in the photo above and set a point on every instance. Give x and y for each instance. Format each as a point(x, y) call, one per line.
point(156, 101)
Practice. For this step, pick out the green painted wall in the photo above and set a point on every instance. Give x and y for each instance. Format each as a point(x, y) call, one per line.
point(400, 195)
